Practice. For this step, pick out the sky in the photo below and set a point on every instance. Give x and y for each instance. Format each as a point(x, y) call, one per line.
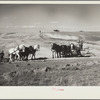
point(69, 17)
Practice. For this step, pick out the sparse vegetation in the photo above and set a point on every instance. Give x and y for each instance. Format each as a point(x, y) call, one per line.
point(63, 72)
point(78, 71)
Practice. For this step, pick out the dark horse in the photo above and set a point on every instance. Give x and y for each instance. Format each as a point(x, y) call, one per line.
point(56, 50)
point(29, 50)
point(65, 50)
point(24, 55)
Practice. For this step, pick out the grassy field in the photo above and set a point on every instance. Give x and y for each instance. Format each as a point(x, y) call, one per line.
point(57, 72)
point(50, 72)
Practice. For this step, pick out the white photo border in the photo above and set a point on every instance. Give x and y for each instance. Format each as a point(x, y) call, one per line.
point(49, 92)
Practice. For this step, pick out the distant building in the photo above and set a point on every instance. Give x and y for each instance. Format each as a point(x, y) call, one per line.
point(81, 31)
point(56, 30)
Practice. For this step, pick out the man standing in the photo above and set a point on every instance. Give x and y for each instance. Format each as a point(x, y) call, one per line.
point(1, 56)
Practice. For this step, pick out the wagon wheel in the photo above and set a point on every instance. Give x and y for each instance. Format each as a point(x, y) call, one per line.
point(74, 53)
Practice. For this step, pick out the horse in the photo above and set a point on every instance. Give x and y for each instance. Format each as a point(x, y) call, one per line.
point(24, 55)
point(13, 54)
point(29, 50)
point(55, 48)
point(21, 49)
point(66, 50)
point(33, 50)
point(63, 50)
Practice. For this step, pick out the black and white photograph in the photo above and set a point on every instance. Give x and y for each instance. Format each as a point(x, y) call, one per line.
point(50, 45)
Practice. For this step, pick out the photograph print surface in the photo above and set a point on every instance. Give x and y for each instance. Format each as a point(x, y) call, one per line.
point(49, 45)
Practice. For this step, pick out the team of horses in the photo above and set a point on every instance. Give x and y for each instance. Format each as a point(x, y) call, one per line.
point(22, 52)
point(59, 51)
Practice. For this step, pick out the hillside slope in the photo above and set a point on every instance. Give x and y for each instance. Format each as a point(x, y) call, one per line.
point(45, 39)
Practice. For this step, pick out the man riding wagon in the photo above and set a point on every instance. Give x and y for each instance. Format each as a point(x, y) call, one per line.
point(76, 49)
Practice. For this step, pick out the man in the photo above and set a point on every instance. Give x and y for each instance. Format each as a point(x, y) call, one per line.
point(1, 56)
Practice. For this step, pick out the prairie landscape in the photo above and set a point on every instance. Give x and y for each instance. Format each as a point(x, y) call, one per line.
point(45, 71)
point(31, 24)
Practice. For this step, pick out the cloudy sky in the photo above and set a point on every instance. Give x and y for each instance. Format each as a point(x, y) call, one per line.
point(71, 17)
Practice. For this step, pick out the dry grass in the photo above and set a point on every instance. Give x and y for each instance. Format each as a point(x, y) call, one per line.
point(58, 72)
point(53, 73)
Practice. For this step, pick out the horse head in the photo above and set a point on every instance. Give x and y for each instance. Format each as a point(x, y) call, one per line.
point(21, 48)
point(36, 47)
